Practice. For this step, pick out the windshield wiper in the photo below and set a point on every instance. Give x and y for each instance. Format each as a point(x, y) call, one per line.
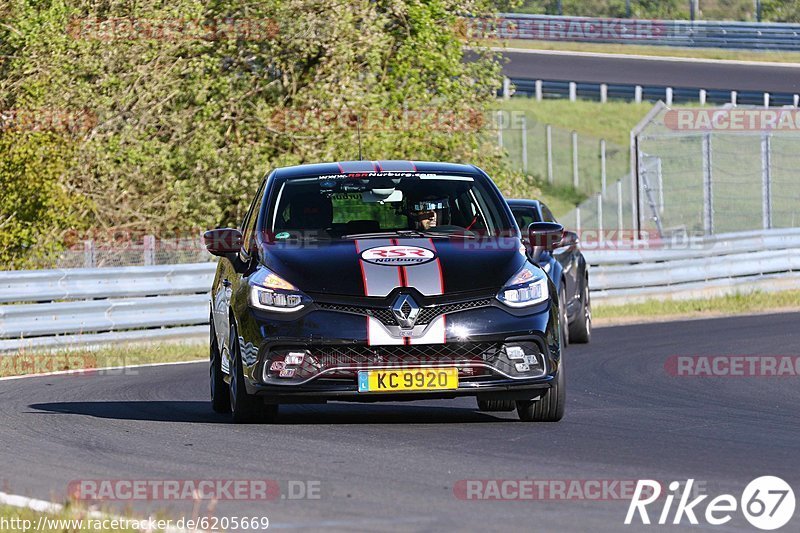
point(378, 234)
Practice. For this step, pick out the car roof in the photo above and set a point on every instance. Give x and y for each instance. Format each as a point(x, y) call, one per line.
point(342, 167)
point(523, 202)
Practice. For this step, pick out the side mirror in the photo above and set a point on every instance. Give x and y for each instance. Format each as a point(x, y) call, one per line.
point(545, 235)
point(570, 239)
point(223, 242)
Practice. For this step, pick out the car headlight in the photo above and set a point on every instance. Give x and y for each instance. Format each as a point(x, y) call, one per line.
point(270, 292)
point(527, 287)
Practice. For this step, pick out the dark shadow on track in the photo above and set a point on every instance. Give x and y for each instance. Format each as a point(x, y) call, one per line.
point(200, 412)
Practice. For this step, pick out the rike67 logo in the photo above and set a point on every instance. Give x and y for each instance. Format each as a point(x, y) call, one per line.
point(767, 503)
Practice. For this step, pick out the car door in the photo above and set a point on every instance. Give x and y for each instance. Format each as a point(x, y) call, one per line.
point(229, 279)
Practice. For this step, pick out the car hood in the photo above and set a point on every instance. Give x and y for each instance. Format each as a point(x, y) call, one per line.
point(376, 267)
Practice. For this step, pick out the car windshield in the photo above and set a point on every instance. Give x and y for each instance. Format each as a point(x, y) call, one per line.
point(376, 204)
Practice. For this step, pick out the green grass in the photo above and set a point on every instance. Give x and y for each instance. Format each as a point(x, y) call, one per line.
point(31, 362)
point(612, 121)
point(592, 121)
point(650, 50)
point(737, 304)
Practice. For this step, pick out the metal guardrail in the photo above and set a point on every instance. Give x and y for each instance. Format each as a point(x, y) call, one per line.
point(602, 92)
point(699, 34)
point(722, 264)
point(63, 308)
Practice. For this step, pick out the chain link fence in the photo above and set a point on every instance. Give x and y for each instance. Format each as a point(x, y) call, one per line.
point(703, 171)
point(562, 158)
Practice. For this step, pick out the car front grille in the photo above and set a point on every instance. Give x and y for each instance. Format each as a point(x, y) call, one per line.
point(426, 314)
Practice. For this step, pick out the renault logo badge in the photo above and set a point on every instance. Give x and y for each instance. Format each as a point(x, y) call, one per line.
point(405, 310)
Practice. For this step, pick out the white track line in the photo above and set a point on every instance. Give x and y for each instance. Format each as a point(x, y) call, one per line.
point(42, 506)
point(88, 370)
point(648, 58)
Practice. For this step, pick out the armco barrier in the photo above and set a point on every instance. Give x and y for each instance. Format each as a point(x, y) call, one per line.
point(61, 308)
point(704, 33)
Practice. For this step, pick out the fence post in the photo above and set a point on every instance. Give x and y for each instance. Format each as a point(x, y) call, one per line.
point(619, 210)
point(88, 254)
point(525, 144)
point(575, 178)
point(708, 206)
point(578, 219)
point(766, 180)
point(603, 166)
point(549, 137)
point(149, 250)
point(538, 90)
point(600, 219)
point(500, 129)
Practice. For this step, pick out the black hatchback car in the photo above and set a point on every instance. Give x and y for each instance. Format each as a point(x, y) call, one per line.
point(566, 266)
point(383, 281)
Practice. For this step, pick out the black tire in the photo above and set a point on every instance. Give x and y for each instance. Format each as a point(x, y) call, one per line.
point(550, 406)
point(496, 405)
point(562, 313)
point(580, 331)
point(220, 396)
point(246, 409)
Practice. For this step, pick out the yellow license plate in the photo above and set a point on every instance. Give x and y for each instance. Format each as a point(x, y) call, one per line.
point(417, 379)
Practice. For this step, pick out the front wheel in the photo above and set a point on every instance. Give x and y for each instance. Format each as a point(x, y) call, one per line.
point(220, 396)
point(246, 408)
point(581, 329)
point(550, 406)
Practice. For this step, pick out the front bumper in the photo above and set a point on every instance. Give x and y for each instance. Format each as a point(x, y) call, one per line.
point(336, 346)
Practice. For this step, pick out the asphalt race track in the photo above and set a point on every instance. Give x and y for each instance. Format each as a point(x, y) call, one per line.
point(394, 466)
point(626, 70)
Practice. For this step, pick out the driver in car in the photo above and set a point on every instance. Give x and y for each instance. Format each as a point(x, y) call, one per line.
point(428, 213)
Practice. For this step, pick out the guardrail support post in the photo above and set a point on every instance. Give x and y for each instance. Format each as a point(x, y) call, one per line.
point(796, 100)
point(766, 99)
point(669, 95)
point(575, 177)
point(88, 254)
point(637, 94)
point(506, 88)
point(766, 180)
point(538, 90)
point(149, 250)
point(603, 93)
point(708, 206)
point(703, 97)
point(549, 138)
point(524, 126)
point(734, 94)
point(578, 219)
point(573, 91)
point(603, 166)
